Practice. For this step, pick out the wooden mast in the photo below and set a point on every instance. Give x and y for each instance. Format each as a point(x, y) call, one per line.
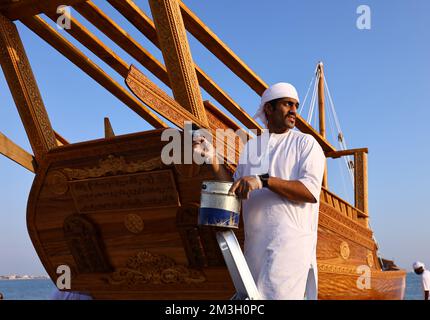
point(23, 86)
point(174, 45)
point(321, 108)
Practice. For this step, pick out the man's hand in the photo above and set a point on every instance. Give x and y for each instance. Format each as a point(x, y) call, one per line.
point(243, 187)
point(204, 149)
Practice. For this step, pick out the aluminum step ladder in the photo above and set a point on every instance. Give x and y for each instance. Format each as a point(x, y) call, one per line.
point(246, 289)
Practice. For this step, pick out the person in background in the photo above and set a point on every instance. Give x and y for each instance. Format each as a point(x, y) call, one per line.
point(419, 268)
point(69, 295)
point(1, 296)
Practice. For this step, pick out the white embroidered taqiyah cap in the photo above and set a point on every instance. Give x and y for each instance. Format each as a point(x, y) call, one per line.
point(418, 265)
point(276, 91)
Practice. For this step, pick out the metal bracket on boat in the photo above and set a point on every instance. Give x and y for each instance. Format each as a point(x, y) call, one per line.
point(243, 281)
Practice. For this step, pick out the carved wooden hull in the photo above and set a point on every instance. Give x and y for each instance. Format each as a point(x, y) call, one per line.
point(126, 225)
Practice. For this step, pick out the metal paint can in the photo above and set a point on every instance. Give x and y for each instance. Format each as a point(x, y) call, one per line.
point(217, 207)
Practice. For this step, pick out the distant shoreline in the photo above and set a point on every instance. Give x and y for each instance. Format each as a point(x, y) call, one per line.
point(29, 278)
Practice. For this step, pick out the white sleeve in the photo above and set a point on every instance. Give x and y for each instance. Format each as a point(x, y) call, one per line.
point(312, 165)
point(426, 281)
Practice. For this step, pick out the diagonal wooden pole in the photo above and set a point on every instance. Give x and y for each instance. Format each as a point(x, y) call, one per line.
point(172, 37)
point(24, 89)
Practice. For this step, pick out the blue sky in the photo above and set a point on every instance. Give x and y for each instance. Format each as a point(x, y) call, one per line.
point(379, 79)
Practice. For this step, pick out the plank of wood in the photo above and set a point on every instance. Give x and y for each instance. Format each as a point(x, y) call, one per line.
point(15, 153)
point(67, 49)
point(118, 35)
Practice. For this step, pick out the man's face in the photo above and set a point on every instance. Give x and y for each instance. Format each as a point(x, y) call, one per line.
point(419, 270)
point(283, 115)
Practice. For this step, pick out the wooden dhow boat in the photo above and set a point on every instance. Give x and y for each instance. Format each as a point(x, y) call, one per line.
point(124, 222)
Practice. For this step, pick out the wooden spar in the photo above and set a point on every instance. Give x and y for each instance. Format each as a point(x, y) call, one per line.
point(94, 44)
point(361, 184)
point(118, 35)
point(173, 40)
point(321, 113)
point(17, 9)
point(158, 100)
point(14, 152)
point(321, 99)
point(50, 35)
point(211, 41)
point(24, 89)
point(145, 25)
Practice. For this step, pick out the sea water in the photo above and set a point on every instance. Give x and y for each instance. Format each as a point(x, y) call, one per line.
point(43, 289)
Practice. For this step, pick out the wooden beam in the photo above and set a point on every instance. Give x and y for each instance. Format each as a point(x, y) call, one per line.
point(146, 26)
point(17, 9)
point(94, 44)
point(176, 51)
point(158, 100)
point(50, 35)
point(14, 152)
point(24, 89)
point(214, 44)
point(349, 152)
point(118, 35)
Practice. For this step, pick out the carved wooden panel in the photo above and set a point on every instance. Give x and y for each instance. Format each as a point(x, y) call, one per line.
point(85, 245)
point(149, 268)
point(125, 192)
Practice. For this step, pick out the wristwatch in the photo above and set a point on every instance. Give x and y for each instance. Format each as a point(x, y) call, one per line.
point(264, 179)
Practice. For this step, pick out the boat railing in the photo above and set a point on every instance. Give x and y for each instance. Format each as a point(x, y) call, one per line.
point(343, 207)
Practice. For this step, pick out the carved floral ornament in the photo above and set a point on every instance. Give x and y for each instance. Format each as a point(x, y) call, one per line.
point(150, 268)
point(344, 250)
point(134, 223)
point(57, 182)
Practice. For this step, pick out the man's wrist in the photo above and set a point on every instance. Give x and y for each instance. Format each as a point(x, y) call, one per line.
point(264, 178)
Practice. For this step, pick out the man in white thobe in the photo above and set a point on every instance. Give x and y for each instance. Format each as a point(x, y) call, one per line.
point(419, 268)
point(279, 178)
